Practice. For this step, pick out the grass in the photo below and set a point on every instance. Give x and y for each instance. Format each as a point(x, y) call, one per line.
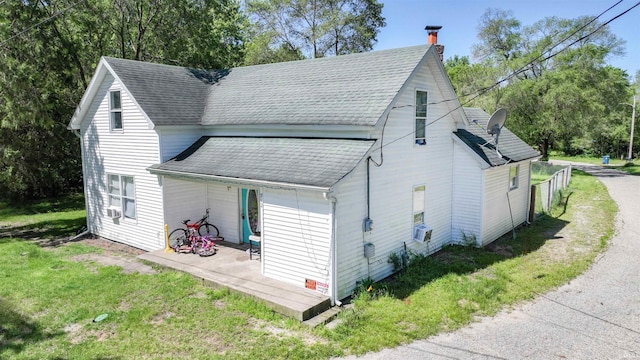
point(48, 300)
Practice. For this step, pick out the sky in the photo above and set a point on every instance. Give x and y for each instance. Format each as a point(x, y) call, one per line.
point(459, 19)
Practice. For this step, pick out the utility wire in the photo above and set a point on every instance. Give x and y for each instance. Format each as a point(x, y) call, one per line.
point(530, 63)
point(522, 69)
point(41, 22)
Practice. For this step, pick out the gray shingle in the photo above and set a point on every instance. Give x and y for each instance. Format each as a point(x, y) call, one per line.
point(311, 162)
point(342, 90)
point(169, 95)
point(511, 147)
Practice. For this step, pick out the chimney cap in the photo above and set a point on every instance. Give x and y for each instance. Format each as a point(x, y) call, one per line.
point(433, 27)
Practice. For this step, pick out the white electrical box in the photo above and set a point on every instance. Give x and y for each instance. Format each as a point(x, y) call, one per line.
point(422, 233)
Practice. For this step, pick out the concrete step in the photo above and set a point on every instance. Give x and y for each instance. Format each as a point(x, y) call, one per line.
point(324, 317)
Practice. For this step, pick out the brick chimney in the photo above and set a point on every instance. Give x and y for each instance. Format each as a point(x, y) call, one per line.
point(433, 39)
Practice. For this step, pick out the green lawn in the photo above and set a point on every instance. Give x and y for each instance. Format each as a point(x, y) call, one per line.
point(48, 300)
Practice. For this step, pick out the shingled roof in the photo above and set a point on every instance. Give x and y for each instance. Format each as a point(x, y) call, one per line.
point(318, 163)
point(511, 147)
point(351, 89)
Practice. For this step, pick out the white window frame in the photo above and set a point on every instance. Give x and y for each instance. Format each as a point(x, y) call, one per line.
point(422, 140)
point(418, 204)
point(513, 178)
point(121, 196)
point(113, 111)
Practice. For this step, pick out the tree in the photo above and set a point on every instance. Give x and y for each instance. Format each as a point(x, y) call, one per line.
point(553, 79)
point(314, 28)
point(48, 50)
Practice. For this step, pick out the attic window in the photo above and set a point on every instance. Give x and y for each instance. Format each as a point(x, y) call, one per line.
point(421, 117)
point(115, 110)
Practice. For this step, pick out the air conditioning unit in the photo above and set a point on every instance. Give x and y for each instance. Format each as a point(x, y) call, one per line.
point(422, 233)
point(113, 213)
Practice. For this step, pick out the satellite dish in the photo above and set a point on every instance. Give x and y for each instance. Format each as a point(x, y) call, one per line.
point(495, 124)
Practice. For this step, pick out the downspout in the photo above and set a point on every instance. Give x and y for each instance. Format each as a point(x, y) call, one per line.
point(334, 251)
point(528, 195)
point(84, 187)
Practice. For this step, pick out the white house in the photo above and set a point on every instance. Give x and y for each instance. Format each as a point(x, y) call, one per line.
point(319, 159)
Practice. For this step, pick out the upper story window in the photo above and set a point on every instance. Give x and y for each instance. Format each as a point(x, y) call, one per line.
point(115, 110)
point(421, 117)
point(513, 177)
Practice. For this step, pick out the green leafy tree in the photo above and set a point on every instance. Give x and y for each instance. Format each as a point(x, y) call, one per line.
point(48, 51)
point(553, 79)
point(313, 28)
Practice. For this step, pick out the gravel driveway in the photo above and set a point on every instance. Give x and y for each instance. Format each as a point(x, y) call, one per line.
point(595, 316)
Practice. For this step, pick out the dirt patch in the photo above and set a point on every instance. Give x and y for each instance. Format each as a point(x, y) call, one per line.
point(279, 332)
point(129, 266)
point(114, 254)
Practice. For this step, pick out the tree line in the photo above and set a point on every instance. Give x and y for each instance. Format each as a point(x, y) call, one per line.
point(552, 76)
point(50, 48)
point(554, 81)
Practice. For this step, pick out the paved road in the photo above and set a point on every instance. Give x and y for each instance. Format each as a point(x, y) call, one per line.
point(596, 316)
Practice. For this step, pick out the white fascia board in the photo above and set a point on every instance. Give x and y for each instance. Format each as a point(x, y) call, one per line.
point(237, 181)
point(87, 97)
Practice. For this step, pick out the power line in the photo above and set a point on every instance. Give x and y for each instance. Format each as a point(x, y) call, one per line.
point(40, 23)
point(524, 68)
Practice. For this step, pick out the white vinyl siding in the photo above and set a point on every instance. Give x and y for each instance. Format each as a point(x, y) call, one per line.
point(128, 152)
point(296, 236)
point(183, 200)
point(499, 199)
point(467, 195)
point(224, 203)
point(174, 140)
point(405, 165)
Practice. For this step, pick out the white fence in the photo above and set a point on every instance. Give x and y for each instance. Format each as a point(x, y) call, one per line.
point(546, 193)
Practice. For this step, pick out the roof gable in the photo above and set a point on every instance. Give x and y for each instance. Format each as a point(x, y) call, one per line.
point(511, 147)
point(169, 95)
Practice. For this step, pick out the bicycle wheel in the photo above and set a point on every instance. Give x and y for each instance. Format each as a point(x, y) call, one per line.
point(177, 238)
point(208, 229)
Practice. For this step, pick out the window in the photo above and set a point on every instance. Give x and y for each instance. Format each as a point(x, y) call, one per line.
point(418, 204)
point(122, 194)
point(115, 110)
point(513, 177)
point(421, 117)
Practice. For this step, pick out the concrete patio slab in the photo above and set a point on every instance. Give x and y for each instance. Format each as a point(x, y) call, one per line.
point(231, 268)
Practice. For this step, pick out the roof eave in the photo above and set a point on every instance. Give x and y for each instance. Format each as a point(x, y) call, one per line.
point(236, 181)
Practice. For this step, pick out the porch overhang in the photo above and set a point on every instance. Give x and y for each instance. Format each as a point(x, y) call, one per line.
point(314, 164)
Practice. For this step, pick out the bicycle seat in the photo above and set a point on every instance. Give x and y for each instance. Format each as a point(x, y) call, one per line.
point(186, 221)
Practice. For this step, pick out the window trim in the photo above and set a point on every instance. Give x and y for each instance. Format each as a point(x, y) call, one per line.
point(419, 141)
point(121, 196)
point(514, 179)
point(113, 111)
